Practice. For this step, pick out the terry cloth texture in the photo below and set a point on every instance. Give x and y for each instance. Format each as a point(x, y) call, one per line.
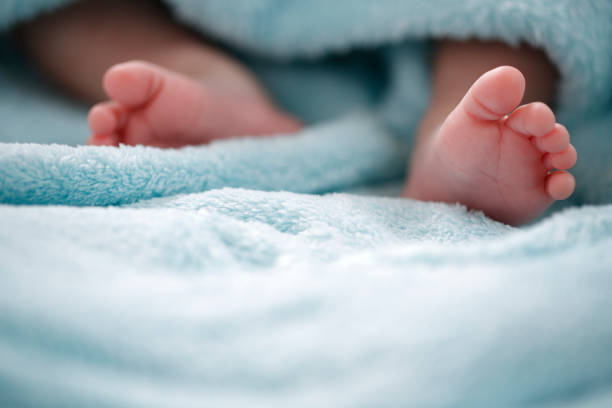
point(137, 276)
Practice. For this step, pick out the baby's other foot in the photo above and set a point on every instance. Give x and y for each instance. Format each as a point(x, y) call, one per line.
point(492, 156)
point(150, 105)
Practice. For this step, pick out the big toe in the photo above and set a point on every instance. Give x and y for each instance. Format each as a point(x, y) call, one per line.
point(495, 93)
point(133, 83)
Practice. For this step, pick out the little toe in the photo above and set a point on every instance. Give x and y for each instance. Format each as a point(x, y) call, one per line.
point(133, 83)
point(534, 119)
point(563, 160)
point(554, 141)
point(495, 93)
point(560, 185)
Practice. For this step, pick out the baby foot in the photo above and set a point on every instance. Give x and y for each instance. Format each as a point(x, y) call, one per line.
point(492, 157)
point(153, 106)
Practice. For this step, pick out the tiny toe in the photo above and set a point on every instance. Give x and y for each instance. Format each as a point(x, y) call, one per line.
point(495, 93)
point(104, 118)
point(563, 160)
point(104, 140)
point(560, 185)
point(555, 141)
point(138, 132)
point(533, 119)
point(132, 83)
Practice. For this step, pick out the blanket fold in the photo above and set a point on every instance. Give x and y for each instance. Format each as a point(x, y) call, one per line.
point(253, 298)
point(363, 152)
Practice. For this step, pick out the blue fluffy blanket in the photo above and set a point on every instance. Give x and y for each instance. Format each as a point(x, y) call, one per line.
point(221, 275)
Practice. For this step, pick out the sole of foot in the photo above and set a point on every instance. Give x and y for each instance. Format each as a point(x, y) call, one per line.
point(493, 155)
point(149, 105)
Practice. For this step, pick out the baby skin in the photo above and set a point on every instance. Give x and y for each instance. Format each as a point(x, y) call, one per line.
point(486, 141)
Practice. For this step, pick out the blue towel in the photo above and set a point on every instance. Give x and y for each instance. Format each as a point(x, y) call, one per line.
point(236, 274)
